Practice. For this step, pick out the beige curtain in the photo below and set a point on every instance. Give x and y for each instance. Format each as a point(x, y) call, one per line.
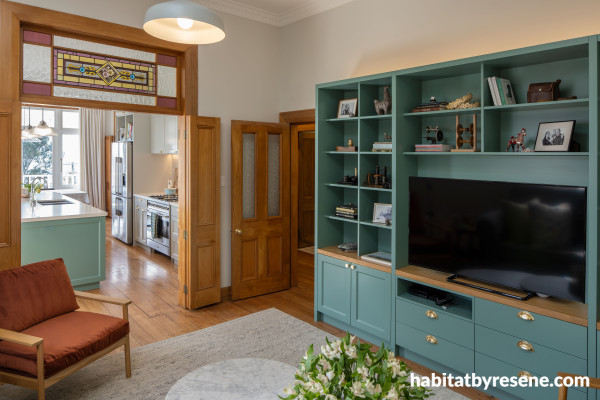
point(92, 156)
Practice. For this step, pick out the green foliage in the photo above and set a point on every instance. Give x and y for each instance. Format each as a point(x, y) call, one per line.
point(345, 370)
point(37, 156)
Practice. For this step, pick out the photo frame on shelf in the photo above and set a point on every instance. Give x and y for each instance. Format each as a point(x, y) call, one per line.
point(554, 136)
point(348, 108)
point(382, 213)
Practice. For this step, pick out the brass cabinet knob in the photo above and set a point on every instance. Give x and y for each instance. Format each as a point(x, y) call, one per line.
point(525, 345)
point(238, 231)
point(353, 267)
point(431, 314)
point(347, 265)
point(431, 339)
point(524, 315)
point(526, 374)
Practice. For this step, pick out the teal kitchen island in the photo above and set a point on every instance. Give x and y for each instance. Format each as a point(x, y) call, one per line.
point(73, 231)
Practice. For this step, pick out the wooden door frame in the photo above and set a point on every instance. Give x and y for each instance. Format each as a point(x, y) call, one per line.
point(15, 15)
point(299, 117)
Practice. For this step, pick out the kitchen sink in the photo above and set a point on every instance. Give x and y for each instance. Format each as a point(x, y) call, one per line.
point(57, 202)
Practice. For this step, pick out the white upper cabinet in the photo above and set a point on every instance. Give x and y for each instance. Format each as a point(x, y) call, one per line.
point(163, 134)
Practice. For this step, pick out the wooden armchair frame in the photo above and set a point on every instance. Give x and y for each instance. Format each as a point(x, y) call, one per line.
point(41, 383)
point(562, 391)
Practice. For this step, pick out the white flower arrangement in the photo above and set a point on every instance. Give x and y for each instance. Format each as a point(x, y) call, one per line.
point(345, 370)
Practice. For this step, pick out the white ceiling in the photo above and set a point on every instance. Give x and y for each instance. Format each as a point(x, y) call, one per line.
point(273, 12)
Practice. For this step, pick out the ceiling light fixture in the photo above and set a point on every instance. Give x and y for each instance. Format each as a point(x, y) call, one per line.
point(43, 129)
point(183, 21)
point(28, 131)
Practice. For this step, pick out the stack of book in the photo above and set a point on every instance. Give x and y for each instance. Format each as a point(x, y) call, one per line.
point(379, 257)
point(502, 91)
point(349, 211)
point(382, 146)
point(431, 106)
point(420, 148)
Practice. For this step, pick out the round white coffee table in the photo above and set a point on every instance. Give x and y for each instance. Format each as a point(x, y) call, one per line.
point(237, 379)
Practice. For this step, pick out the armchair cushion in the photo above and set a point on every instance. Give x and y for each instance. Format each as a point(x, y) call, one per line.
point(68, 339)
point(34, 293)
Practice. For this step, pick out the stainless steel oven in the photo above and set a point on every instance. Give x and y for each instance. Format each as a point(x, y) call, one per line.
point(157, 226)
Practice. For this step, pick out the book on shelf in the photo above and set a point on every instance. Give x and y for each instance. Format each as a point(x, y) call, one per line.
point(382, 146)
point(379, 257)
point(345, 215)
point(502, 91)
point(346, 211)
point(429, 108)
point(432, 147)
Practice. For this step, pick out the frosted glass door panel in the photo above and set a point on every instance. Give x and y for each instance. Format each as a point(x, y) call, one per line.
point(249, 175)
point(274, 180)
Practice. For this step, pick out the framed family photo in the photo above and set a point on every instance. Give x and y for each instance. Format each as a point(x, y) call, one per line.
point(348, 108)
point(554, 136)
point(382, 213)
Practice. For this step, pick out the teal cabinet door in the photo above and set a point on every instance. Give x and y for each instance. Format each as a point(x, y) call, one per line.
point(333, 288)
point(372, 301)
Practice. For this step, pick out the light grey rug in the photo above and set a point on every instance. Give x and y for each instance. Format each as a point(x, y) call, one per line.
point(269, 334)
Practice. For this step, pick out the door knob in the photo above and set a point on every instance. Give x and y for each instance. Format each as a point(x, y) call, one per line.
point(238, 231)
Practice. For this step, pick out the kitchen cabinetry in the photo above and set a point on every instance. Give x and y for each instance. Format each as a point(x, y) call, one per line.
point(139, 219)
point(174, 232)
point(163, 134)
point(357, 296)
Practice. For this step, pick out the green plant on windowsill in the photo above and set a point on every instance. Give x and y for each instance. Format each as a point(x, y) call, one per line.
point(348, 370)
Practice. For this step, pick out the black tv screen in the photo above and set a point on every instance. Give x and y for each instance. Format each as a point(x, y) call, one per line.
point(525, 236)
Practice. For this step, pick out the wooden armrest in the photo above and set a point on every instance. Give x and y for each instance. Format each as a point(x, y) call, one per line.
point(20, 338)
point(103, 299)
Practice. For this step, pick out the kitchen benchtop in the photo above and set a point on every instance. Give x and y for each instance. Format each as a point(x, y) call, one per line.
point(57, 212)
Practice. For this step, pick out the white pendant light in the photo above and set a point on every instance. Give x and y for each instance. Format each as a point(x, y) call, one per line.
point(43, 129)
point(183, 21)
point(27, 132)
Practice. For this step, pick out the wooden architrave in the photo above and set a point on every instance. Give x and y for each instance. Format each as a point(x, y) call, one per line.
point(300, 117)
point(13, 16)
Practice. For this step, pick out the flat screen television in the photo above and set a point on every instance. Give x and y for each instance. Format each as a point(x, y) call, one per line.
point(528, 237)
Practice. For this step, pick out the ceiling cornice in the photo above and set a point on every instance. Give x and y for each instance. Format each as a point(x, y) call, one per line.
point(240, 9)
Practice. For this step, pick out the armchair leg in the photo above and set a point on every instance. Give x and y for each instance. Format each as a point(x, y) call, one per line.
point(127, 358)
point(41, 387)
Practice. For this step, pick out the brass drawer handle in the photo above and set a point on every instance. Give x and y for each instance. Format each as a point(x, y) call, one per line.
point(431, 314)
point(353, 266)
point(524, 315)
point(431, 339)
point(526, 374)
point(525, 345)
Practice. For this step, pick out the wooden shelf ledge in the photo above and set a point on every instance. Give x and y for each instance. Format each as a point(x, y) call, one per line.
point(333, 251)
point(564, 310)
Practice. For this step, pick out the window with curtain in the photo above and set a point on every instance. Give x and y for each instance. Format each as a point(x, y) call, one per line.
point(54, 159)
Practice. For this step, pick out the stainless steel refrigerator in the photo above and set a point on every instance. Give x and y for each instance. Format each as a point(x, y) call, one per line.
point(122, 191)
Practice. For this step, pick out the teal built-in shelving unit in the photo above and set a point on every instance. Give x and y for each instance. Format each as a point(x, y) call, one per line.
point(371, 300)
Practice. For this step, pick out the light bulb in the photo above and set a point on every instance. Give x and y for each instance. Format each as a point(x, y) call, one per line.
point(185, 23)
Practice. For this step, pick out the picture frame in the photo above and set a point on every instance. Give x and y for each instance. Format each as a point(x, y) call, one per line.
point(348, 108)
point(554, 136)
point(382, 213)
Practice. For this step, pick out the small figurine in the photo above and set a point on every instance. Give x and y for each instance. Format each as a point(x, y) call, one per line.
point(386, 137)
point(350, 143)
point(517, 141)
point(383, 107)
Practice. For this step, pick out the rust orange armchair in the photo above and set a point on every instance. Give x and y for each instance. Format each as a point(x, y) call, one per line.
point(43, 339)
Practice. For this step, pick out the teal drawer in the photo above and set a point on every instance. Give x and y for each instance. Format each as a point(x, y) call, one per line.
point(444, 351)
point(554, 333)
point(487, 366)
point(543, 360)
point(438, 323)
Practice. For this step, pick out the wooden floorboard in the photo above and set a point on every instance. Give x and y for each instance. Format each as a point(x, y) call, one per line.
point(150, 280)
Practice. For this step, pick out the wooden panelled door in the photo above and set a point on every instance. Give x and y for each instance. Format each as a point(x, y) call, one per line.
point(306, 183)
point(260, 202)
point(199, 211)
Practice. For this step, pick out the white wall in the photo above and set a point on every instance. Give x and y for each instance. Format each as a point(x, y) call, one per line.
point(364, 37)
